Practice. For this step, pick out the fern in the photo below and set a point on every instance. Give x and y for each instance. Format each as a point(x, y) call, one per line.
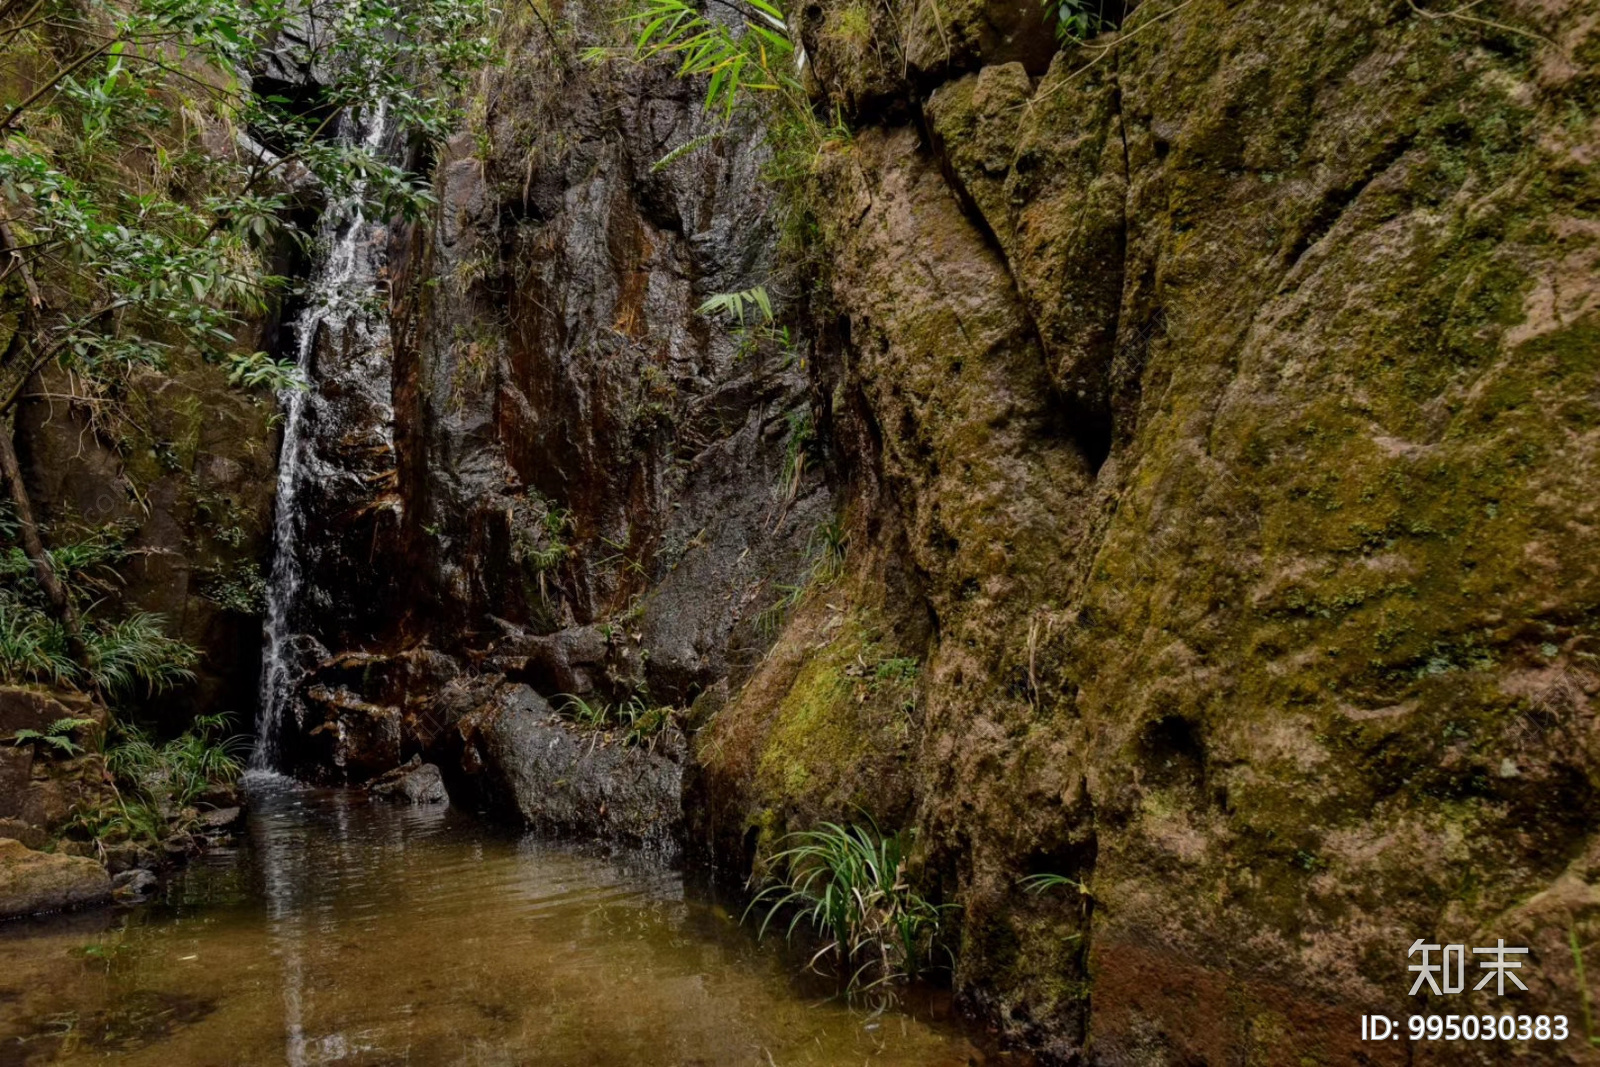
point(58, 735)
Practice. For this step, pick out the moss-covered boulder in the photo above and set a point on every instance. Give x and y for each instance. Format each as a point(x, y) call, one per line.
point(32, 881)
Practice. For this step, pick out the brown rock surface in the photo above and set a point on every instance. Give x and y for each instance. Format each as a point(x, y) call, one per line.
point(38, 881)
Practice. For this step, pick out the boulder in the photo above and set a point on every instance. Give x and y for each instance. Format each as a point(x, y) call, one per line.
point(28, 708)
point(29, 834)
point(128, 855)
point(353, 739)
point(568, 661)
point(40, 881)
point(564, 780)
point(220, 819)
point(414, 782)
point(134, 885)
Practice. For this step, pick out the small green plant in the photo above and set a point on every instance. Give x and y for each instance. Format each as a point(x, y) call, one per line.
point(1075, 19)
point(241, 588)
point(896, 670)
point(640, 722)
point(1040, 883)
point(771, 617)
point(756, 57)
point(593, 716)
point(257, 370)
point(849, 885)
point(736, 306)
point(802, 437)
point(58, 735)
point(831, 539)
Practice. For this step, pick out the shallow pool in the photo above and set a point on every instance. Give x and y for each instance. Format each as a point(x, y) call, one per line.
point(344, 931)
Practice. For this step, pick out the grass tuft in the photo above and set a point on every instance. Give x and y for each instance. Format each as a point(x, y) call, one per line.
point(849, 885)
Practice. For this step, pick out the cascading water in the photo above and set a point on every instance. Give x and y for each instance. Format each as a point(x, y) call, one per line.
point(337, 316)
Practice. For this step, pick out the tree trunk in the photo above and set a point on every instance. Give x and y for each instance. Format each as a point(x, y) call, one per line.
point(44, 573)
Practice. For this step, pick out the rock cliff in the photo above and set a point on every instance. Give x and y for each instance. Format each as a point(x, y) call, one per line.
point(1179, 476)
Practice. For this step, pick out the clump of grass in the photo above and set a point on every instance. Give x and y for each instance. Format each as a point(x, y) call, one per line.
point(120, 657)
point(636, 719)
point(831, 540)
point(133, 653)
point(849, 885)
point(176, 772)
point(1039, 883)
point(155, 782)
point(33, 647)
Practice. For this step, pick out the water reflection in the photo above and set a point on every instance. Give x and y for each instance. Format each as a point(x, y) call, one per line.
point(351, 933)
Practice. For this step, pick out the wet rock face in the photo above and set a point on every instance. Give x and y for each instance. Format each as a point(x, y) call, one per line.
point(32, 881)
point(577, 445)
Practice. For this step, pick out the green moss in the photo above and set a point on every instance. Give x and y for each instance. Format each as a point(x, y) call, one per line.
point(836, 725)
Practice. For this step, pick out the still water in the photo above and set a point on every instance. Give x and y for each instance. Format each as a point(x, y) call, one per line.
point(344, 931)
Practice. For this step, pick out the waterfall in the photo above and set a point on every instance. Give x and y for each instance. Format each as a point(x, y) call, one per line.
point(334, 313)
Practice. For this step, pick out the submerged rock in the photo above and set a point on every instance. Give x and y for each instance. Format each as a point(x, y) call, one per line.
point(220, 819)
point(135, 885)
point(558, 778)
point(39, 881)
point(414, 782)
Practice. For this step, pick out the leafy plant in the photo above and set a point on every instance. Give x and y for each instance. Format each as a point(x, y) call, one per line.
point(771, 617)
point(738, 305)
point(120, 657)
point(33, 647)
point(849, 885)
point(1040, 883)
point(830, 538)
point(796, 450)
point(257, 370)
point(1075, 20)
point(58, 735)
point(594, 716)
point(134, 653)
point(640, 722)
point(756, 56)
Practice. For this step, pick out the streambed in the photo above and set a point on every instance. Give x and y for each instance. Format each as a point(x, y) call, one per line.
point(347, 931)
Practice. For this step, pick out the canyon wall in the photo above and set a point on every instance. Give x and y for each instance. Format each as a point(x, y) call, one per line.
point(1208, 416)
